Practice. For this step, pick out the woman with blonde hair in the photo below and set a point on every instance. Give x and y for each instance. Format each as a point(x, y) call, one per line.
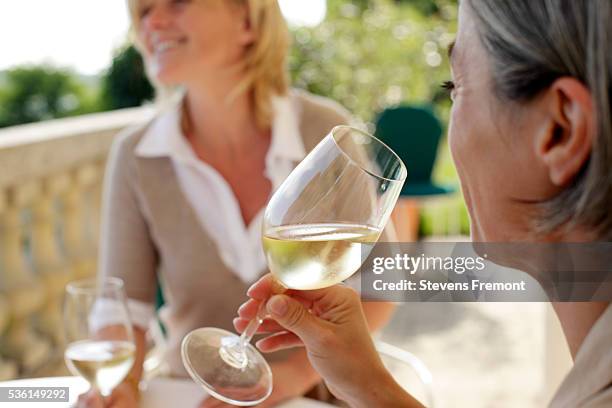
point(185, 193)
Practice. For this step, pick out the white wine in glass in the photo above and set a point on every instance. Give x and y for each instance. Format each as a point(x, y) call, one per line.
point(318, 228)
point(100, 349)
point(314, 256)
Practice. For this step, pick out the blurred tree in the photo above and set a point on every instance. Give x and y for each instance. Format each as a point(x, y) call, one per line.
point(371, 54)
point(376, 53)
point(34, 93)
point(125, 84)
point(428, 7)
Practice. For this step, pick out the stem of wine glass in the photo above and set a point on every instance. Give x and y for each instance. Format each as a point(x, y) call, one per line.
point(234, 353)
point(248, 333)
point(251, 329)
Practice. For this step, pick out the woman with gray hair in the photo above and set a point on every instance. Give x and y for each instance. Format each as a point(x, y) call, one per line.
point(531, 137)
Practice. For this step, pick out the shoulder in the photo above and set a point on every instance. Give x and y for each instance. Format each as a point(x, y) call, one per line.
point(317, 115)
point(127, 139)
point(121, 161)
point(315, 106)
point(123, 152)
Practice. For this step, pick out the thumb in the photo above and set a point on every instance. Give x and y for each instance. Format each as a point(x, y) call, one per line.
point(293, 316)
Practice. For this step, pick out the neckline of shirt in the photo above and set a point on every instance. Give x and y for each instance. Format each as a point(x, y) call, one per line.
point(165, 138)
point(244, 255)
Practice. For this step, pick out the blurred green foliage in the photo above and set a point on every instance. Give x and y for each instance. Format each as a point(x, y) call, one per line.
point(125, 84)
point(371, 54)
point(34, 93)
point(41, 92)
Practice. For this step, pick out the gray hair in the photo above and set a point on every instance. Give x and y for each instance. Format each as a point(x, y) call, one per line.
point(531, 43)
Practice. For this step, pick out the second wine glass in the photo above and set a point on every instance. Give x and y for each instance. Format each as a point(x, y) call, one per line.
point(99, 333)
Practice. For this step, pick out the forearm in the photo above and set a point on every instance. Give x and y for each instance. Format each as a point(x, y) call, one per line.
point(118, 332)
point(140, 342)
point(383, 390)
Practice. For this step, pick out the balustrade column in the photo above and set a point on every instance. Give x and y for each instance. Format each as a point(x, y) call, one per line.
point(49, 264)
point(90, 183)
point(24, 293)
point(8, 369)
point(95, 191)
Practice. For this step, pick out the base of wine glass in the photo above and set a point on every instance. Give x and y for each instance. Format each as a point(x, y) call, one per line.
point(210, 357)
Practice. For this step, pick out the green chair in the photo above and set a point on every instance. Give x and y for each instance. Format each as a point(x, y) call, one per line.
point(414, 134)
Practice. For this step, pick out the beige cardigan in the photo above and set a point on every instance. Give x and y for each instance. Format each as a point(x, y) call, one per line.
point(150, 230)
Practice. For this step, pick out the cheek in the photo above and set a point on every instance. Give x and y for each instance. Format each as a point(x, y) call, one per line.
point(459, 145)
point(478, 156)
point(140, 36)
point(461, 137)
point(213, 36)
point(477, 147)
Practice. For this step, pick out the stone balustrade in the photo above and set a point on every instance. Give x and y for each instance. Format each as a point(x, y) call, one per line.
point(50, 189)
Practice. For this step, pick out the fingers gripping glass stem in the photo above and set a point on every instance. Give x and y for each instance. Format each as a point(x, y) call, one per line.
point(234, 352)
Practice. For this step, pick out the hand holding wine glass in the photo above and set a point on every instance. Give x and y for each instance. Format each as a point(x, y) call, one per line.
point(330, 324)
point(318, 228)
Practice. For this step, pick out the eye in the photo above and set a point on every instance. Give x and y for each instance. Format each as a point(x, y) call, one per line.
point(179, 5)
point(448, 86)
point(142, 13)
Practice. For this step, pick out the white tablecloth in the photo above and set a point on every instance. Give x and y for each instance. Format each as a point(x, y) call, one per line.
point(159, 393)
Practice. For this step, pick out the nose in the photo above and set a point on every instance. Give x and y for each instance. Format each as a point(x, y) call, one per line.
point(158, 17)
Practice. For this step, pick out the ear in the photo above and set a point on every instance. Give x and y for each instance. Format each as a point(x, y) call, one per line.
point(565, 143)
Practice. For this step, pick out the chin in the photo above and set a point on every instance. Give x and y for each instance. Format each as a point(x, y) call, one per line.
point(168, 79)
point(166, 75)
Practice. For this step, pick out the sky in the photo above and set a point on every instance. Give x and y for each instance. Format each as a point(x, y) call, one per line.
point(82, 34)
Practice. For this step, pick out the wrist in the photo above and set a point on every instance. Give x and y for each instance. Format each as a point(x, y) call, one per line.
point(133, 384)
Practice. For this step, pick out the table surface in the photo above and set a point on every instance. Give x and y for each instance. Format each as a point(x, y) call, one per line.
point(158, 393)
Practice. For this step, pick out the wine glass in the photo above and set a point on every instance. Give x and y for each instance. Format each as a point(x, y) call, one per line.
point(98, 330)
point(318, 228)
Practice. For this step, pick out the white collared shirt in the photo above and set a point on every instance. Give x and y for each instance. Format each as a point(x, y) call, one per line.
point(211, 197)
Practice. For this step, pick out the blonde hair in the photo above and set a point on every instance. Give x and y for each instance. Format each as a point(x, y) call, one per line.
point(264, 63)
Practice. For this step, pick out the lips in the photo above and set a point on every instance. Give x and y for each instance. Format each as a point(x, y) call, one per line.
point(162, 45)
point(165, 46)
